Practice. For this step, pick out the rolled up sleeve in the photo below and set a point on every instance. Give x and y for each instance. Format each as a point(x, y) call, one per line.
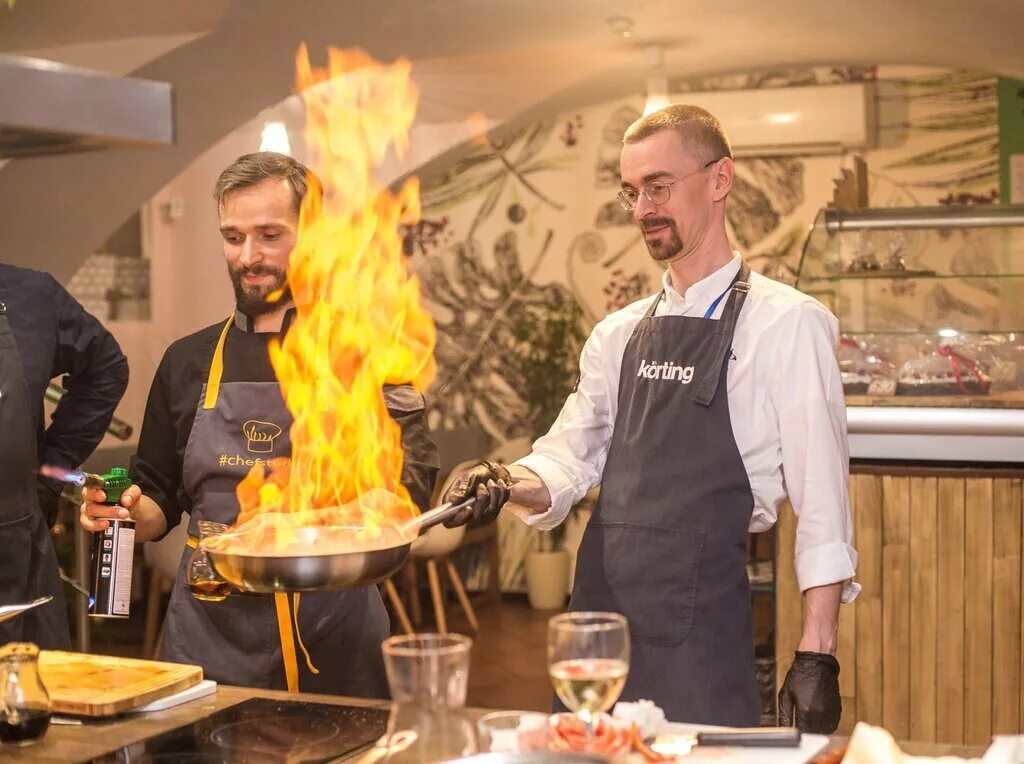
point(808, 397)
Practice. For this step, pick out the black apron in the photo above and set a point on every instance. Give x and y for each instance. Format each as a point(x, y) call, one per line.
point(28, 562)
point(250, 639)
point(666, 546)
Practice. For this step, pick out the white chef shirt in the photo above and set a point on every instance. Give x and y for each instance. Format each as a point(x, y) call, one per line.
point(785, 403)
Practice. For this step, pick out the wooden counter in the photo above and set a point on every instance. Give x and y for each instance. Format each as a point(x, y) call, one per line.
point(1005, 400)
point(931, 649)
point(64, 743)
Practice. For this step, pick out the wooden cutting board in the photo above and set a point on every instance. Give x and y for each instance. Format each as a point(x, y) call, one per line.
point(104, 685)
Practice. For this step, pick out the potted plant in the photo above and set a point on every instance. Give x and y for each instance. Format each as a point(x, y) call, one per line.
point(549, 346)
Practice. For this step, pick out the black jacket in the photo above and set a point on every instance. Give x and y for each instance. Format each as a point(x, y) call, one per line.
point(57, 337)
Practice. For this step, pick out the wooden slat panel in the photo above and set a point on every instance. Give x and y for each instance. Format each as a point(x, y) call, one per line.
point(923, 606)
point(949, 641)
point(866, 498)
point(1021, 509)
point(788, 600)
point(896, 606)
point(978, 613)
point(1006, 605)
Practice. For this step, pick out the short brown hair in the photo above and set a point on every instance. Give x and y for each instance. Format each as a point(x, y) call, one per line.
point(251, 169)
point(699, 129)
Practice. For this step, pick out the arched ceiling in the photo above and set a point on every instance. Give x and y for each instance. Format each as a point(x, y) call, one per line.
point(230, 59)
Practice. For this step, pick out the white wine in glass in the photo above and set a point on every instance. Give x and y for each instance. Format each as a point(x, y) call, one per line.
point(589, 685)
point(588, 661)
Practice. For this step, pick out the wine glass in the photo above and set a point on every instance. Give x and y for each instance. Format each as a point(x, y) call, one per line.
point(588, 661)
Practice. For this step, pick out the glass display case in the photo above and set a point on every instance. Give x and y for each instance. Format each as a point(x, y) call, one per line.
point(930, 302)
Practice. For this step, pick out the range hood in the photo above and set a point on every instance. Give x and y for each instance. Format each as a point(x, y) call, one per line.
point(50, 108)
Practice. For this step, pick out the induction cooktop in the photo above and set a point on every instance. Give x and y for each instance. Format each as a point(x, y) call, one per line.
point(262, 730)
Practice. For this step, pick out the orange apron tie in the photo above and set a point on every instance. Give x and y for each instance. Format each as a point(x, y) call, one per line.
point(309, 661)
point(284, 627)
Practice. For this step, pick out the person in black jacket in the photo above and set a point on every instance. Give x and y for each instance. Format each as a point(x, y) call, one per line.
point(45, 333)
point(216, 410)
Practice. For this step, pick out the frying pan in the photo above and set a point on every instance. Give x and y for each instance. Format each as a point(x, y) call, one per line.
point(322, 567)
point(9, 611)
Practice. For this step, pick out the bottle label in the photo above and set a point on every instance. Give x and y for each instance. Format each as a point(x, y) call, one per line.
point(123, 571)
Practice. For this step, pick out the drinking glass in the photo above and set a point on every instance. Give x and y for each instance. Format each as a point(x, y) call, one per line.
point(203, 581)
point(588, 661)
point(428, 675)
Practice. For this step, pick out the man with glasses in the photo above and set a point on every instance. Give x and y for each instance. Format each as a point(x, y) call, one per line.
point(698, 411)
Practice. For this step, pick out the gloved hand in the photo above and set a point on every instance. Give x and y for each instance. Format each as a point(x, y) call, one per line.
point(490, 483)
point(810, 694)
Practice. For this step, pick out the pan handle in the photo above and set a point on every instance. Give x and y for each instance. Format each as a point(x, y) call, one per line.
point(433, 517)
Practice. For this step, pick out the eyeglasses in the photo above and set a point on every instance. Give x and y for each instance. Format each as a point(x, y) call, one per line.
point(657, 191)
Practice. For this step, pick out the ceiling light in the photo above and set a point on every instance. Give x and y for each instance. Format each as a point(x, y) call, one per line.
point(657, 81)
point(275, 138)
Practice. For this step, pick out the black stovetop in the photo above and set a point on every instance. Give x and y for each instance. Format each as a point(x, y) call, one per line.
point(262, 730)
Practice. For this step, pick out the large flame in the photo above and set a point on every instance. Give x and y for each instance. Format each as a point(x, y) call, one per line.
point(360, 323)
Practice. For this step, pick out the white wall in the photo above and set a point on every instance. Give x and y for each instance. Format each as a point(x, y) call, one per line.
point(190, 286)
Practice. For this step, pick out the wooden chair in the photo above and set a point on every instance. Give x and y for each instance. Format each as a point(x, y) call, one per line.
point(434, 548)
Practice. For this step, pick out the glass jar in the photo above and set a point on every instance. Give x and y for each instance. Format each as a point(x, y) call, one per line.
point(24, 702)
point(428, 675)
point(203, 581)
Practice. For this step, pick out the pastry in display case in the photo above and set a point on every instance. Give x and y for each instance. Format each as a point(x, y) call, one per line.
point(930, 302)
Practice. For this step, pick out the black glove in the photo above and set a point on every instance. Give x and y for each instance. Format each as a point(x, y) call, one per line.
point(490, 483)
point(810, 695)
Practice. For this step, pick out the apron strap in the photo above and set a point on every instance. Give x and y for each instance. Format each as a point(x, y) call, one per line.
point(298, 634)
point(723, 335)
point(654, 305)
point(216, 368)
point(284, 627)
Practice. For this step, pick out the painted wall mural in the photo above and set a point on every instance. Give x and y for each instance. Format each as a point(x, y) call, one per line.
point(523, 247)
point(530, 223)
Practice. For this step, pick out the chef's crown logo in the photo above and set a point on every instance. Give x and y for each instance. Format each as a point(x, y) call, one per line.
point(260, 436)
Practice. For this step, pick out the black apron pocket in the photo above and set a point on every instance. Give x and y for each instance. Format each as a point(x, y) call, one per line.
point(648, 574)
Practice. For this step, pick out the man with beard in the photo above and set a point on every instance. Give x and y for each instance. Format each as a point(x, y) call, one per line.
point(214, 409)
point(697, 410)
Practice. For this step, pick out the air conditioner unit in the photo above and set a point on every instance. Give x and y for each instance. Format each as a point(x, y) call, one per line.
point(819, 119)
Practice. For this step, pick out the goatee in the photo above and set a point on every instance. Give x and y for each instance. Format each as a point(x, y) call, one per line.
point(662, 249)
point(253, 300)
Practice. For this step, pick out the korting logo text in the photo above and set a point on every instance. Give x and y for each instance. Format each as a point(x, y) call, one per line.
point(667, 370)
